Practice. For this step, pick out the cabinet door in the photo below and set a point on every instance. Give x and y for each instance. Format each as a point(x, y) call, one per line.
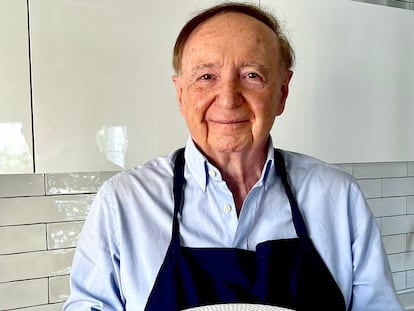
point(15, 111)
point(103, 94)
point(351, 97)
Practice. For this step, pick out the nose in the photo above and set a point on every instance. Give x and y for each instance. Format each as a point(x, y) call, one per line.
point(230, 93)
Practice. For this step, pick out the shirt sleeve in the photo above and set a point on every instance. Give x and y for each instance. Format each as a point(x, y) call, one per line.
point(95, 281)
point(373, 287)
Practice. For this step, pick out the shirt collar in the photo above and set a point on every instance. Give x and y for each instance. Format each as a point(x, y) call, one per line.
point(196, 162)
point(199, 166)
point(270, 160)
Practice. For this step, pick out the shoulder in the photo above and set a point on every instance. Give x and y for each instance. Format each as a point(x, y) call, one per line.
point(321, 185)
point(151, 177)
point(329, 197)
point(303, 167)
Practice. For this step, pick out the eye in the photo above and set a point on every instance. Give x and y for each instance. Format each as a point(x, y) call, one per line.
point(254, 79)
point(252, 75)
point(206, 76)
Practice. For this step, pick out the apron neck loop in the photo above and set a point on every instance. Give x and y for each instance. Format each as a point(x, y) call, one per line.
point(179, 184)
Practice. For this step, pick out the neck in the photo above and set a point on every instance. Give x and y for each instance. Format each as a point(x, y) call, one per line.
point(241, 171)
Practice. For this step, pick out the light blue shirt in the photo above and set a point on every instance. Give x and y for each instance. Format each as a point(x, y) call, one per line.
point(128, 229)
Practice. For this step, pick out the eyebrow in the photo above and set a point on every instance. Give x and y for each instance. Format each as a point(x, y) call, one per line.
point(202, 66)
point(195, 71)
point(263, 68)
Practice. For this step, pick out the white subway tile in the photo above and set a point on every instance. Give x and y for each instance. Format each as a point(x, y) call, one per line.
point(48, 307)
point(410, 168)
point(399, 280)
point(407, 299)
point(35, 265)
point(19, 185)
point(23, 294)
point(397, 225)
point(380, 170)
point(410, 279)
point(16, 211)
point(64, 234)
point(371, 188)
point(388, 206)
point(73, 183)
point(395, 243)
point(393, 187)
point(401, 262)
point(410, 242)
point(19, 239)
point(59, 288)
point(410, 205)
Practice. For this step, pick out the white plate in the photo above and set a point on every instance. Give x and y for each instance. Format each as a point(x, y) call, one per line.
point(238, 307)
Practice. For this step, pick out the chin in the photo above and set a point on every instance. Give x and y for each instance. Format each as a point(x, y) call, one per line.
point(229, 146)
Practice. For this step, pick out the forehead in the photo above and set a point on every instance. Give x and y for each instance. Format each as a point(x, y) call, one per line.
point(232, 33)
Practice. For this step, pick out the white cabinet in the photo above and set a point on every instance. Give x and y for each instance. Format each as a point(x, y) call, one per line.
point(15, 112)
point(103, 97)
point(352, 96)
point(102, 87)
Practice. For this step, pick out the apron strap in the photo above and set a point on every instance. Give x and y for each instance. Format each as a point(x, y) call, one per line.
point(297, 218)
point(178, 189)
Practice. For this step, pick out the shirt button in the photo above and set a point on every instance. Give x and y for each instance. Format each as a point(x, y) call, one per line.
point(212, 173)
point(227, 208)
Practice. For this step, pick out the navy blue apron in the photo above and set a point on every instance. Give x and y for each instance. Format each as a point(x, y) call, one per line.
point(286, 273)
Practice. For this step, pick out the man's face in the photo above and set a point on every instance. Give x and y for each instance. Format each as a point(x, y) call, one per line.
point(231, 87)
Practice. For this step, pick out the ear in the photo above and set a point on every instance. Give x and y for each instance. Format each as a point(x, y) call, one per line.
point(284, 92)
point(178, 83)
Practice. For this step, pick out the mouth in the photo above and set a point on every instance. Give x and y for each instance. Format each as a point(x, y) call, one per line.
point(228, 126)
point(229, 122)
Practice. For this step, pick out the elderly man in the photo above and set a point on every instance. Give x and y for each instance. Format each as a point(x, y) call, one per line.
point(230, 219)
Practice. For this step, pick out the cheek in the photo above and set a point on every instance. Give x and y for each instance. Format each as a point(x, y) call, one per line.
point(269, 105)
point(273, 106)
point(197, 103)
point(266, 112)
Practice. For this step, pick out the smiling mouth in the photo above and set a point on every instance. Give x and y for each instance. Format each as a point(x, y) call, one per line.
point(229, 122)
